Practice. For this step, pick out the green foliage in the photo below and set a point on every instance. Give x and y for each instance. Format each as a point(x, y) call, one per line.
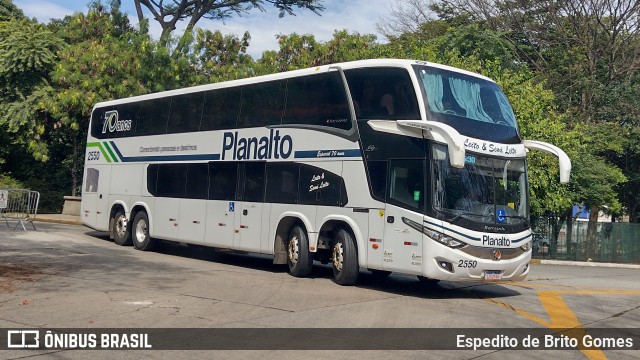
point(7, 182)
point(9, 11)
point(27, 55)
point(219, 57)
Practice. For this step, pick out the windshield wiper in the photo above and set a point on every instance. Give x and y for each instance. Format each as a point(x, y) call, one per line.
point(457, 217)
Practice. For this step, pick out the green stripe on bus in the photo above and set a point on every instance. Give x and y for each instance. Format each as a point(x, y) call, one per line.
point(102, 150)
point(113, 156)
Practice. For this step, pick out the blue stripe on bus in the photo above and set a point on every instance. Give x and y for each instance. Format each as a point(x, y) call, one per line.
point(524, 238)
point(453, 231)
point(470, 237)
point(163, 157)
point(306, 154)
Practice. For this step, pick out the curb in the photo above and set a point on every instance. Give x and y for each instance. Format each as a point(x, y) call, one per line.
point(58, 221)
point(585, 264)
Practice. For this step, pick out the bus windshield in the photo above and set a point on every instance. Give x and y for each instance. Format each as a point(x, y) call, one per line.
point(486, 191)
point(452, 95)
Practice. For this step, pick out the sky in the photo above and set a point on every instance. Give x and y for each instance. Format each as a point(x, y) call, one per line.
point(358, 16)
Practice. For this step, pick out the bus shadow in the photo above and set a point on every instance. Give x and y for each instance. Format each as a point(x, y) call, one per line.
point(409, 285)
point(399, 284)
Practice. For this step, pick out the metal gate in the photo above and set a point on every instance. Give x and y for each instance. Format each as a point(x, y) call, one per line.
point(19, 205)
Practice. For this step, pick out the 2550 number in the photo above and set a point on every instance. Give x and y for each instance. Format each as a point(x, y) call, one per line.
point(93, 155)
point(469, 264)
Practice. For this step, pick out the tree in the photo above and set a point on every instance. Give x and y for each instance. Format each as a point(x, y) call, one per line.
point(170, 13)
point(106, 59)
point(9, 11)
point(27, 56)
point(405, 17)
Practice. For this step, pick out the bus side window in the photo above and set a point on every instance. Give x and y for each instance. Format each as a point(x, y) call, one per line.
point(406, 183)
point(185, 113)
point(282, 183)
point(254, 181)
point(172, 180)
point(221, 109)
point(197, 181)
point(317, 100)
point(378, 178)
point(262, 104)
point(223, 180)
point(153, 116)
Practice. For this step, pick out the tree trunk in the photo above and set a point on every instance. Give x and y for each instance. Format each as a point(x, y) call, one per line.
point(592, 233)
point(571, 250)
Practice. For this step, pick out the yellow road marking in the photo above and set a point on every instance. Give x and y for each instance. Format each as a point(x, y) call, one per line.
point(562, 317)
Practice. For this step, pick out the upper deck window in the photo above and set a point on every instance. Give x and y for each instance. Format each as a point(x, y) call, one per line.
point(474, 106)
point(383, 93)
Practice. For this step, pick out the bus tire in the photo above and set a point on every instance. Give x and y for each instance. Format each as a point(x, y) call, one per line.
point(344, 259)
point(140, 232)
point(299, 258)
point(121, 230)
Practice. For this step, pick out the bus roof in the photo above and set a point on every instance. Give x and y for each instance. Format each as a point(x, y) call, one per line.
point(358, 64)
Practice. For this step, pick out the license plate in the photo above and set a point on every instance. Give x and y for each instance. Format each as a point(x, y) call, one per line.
point(493, 275)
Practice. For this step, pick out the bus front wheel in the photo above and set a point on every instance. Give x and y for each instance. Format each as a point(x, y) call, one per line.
point(344, 259)
point(141, 239)
point(298, 256)
point(121, 229)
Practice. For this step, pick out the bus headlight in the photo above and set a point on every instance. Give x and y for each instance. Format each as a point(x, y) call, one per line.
point(444, 239)
point(437, 236)
point(526, 247)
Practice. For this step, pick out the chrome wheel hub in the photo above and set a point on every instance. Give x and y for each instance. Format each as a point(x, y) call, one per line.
point(121, 226)
point(338, 256)
point(293, 249)
point(141, 230)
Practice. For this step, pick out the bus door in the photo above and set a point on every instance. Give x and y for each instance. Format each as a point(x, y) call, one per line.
point(249, 208)
point(221, 206)
point(403, 214)
point(95, 197)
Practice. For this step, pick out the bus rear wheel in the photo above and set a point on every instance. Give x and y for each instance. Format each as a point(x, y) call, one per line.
point(298, 256)
point(121, 230)
point(344, 259)
point(141, 239)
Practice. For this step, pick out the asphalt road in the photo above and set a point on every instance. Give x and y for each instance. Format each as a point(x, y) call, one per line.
point(67, 276)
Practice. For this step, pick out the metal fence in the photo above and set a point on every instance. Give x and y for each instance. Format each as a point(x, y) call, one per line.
point(609, 242)
point(19, 206)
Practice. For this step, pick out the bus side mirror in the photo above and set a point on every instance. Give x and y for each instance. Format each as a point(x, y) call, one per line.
point(455, 141)
point(563, 158)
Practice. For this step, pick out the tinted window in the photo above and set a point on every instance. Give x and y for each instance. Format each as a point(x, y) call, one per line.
point(153, 116)
point(282, 183)
point(253, 189)
point(221, 109)
point(197, 181)
point(223, 180)
point(377, 178)
point(262, 104)
point(91, 180)
point(321, 187)
point(317, 100)
point(383, 93)
point(152, 179)
point(172, 180)
point(185, 114)
point(406, 183)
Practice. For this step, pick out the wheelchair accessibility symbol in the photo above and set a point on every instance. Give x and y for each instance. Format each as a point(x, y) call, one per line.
point(232, 206)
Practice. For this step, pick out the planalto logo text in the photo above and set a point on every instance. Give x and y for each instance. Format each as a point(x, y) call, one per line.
point(252, 148)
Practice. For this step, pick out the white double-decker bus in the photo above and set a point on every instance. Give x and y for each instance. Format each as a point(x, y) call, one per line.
point(386, 165)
